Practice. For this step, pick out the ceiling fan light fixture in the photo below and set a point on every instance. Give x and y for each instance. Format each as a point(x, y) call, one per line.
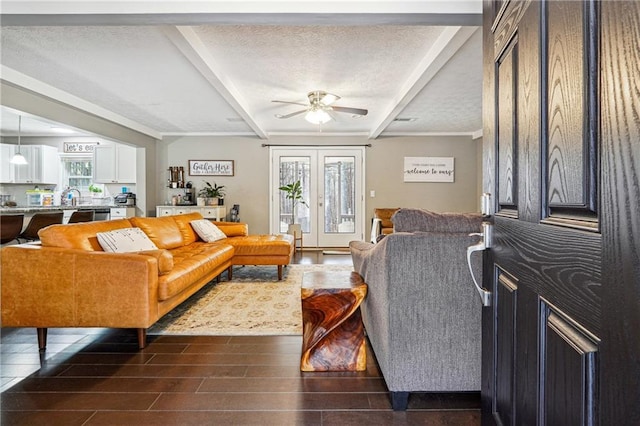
point(18, 158)
point(328, 98)
point(317, 116)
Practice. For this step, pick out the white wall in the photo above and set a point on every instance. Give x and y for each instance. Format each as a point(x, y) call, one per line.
point(249, 187)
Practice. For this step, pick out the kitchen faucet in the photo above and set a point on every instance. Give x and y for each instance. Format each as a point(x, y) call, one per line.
point(74, 200)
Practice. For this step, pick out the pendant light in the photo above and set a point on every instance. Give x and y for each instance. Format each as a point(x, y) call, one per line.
point(18, 158)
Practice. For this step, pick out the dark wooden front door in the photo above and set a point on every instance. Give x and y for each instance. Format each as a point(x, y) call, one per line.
point(561, 339)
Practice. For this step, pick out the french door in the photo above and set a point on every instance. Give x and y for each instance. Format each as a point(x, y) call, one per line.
point(331, 180)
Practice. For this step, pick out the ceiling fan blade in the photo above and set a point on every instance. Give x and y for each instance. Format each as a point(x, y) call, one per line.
point(357, 111)
point(289, 102)
point(290, 115)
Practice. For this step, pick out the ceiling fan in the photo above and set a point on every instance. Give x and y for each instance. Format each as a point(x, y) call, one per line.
point(319, 107)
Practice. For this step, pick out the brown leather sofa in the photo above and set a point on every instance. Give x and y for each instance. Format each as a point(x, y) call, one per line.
point(69, 281)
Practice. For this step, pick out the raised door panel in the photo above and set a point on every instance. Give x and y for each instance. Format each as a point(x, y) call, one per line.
point(505, 300)
point(569, 371)
point(507, 147)
point(571, 82)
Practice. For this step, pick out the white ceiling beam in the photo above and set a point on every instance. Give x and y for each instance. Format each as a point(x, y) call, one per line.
point(18, 79)
point(449, 42)
point(218, 7)
point(197, 53)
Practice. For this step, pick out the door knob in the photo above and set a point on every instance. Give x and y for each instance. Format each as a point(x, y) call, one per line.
point(484, 243)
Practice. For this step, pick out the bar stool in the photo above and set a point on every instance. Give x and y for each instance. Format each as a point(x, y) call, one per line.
point(10, 227)
point(37, 222)
point(82, 216)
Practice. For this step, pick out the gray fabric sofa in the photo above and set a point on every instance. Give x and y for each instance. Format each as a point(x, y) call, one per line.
point(422, 314)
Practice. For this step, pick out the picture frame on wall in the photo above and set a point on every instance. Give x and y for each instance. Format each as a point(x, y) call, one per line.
point(211, 167)
point(429, 169)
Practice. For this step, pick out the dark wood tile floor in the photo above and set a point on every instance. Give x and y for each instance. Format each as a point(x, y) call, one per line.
point(99, 377)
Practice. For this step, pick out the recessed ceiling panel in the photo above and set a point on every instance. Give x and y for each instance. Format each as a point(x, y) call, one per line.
point(452, 101)
point(136, 72)
point(365, 65)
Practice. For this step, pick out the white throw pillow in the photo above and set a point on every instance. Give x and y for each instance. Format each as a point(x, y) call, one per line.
point(125, 240)
point(207, 230)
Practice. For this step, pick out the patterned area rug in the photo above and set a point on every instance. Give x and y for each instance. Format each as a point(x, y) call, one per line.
point(254, 303)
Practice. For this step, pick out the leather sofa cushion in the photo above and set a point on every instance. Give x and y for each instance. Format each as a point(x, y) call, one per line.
point(191, 263)
point(233, 229)
point(164, 258)
point(80, 236)
point(184, 224)
point(262, 245)
point(163, 231)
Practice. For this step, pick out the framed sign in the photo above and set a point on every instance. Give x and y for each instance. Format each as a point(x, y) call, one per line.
point(428, 169)
point(79, 147)
point(211, 167)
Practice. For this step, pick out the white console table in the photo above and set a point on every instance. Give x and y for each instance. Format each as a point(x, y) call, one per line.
point(209, 212)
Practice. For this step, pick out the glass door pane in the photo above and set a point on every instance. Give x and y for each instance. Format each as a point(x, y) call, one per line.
point(294, 169)
point(339, 194)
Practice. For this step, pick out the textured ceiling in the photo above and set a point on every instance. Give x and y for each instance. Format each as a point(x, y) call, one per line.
point(221, 78)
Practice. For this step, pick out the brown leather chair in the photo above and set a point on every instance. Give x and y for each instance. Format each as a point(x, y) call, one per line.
point(39, 221)
point(82, 216)
point(382, 224)
point(10, 227)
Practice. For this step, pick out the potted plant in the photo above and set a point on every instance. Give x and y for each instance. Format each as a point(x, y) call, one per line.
point(293, 192)
point(95, 190)
point(211, 193)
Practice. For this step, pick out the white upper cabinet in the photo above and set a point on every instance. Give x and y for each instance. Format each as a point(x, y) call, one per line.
point(114, 164)
point(7, 174)
point(43, 165)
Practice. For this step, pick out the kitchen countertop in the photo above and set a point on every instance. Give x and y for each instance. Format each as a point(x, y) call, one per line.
point(33, 209)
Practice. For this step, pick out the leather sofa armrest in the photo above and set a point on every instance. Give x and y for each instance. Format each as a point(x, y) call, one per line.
point(57, 287)
point(233, 229)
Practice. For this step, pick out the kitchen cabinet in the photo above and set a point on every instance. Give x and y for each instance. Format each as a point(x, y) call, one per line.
point(122, 212)
point(210, 212)
point(43, 165)
point(7, 174)
point(114, 164)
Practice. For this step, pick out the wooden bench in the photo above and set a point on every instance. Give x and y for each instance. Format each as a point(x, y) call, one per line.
point(333, 334)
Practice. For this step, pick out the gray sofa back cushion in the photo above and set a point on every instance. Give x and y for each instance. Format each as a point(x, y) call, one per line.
point(412, 220)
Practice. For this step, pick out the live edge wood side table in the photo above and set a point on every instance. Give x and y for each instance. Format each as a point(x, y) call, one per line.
point(333, 334)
